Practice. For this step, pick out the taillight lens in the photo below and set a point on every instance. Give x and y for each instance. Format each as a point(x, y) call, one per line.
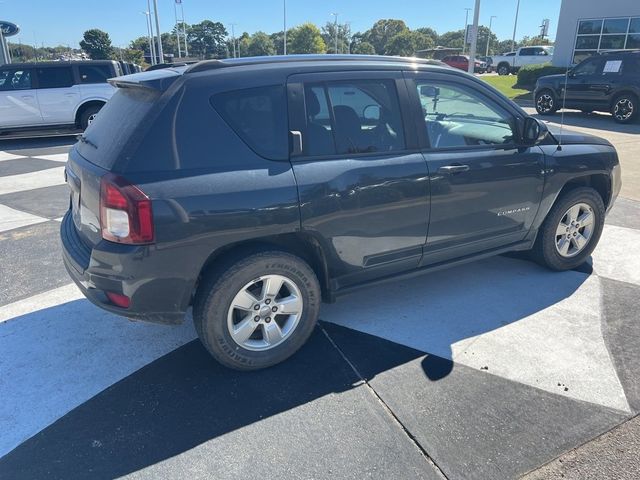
point(125, 212)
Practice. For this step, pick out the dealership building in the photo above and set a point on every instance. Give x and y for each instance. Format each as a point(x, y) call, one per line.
point(586, 27)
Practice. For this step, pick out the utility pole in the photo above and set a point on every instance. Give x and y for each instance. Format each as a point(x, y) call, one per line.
point(152, 51)
point(233, 39)
point(175, 13)
point(515, 26)
point(486, 54)
point(466, 23)
point(335, 26)
point(284, 17)
point(474, 37)
point(184, 31)
point(160, 52)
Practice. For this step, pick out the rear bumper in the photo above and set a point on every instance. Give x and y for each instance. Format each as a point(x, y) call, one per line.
point(134, 271)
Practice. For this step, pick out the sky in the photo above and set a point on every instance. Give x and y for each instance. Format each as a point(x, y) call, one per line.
point(62, 22)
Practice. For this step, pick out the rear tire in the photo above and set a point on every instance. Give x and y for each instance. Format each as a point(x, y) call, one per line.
point(245, 320)
point(565, 242)
point(625, 108)
point(88, 115)
point(504, 69)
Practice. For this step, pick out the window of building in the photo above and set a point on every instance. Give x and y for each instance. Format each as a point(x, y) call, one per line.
point(602, 34)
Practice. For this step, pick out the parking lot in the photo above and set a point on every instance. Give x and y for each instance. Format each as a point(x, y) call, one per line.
point(488, 370)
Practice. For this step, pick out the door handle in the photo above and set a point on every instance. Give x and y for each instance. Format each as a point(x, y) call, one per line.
point(453, 169)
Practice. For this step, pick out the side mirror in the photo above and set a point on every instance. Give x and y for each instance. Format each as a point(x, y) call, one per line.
point(429, 91)
point(534, 131)
point(371, 112)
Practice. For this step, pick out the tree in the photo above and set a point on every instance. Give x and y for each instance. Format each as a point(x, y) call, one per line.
point(504, 46)
point(306, 38)
point(537, 40)
point(329, 37)
point(453, 39)
point(364, 48)
point(278, 41)
point(429, 32)
point(382, 32)
point(97, 44)
point(483, 35)
point(260, 44)
point(207, 39)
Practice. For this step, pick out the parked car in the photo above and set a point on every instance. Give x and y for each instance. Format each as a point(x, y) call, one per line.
point(252, 188)
point(488, 61)
point(604, 83)
point(512, 61)
point(54, 94)
point(462, 62)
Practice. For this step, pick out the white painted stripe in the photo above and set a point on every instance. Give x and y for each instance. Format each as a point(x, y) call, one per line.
point(58, 350)
point(10, 219)
point(616, 256)
point(520, 320)
point(9, 156)
point(31, 181)
point(57, 157)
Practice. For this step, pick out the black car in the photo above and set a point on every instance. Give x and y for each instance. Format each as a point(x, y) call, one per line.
point(252, 189)
point(609, 82)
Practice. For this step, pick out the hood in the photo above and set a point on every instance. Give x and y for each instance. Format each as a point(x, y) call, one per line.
point(575, 138)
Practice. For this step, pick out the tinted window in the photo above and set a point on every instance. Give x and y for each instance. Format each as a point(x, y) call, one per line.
point(259, 117)
point(589, 26)
point(634, 25)
point(94, 73)
point(11, 79)
point(456, 116)
point(55, 77)
point(361, 117)
point(587, 42)
point(615, 25)
point(528, 51)
point(591, 66)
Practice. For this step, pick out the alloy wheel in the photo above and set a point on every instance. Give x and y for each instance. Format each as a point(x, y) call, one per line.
point(575, 230)
point(265, 312)
point(623, 109)
point(544, 103)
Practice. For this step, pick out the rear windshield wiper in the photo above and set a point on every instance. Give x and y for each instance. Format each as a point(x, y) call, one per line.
point(84, 139)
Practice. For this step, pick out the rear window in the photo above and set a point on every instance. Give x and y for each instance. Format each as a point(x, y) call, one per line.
point(55, 77)
point(259, 118)
point(94, 73)
point(115, 124)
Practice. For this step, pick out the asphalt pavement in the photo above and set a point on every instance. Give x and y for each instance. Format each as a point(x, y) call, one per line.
point(489, 370)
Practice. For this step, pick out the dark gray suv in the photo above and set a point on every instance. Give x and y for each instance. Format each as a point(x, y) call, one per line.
point(252, 189)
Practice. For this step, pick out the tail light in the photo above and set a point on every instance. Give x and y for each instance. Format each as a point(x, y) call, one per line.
point(119, 300)
point(125, 212)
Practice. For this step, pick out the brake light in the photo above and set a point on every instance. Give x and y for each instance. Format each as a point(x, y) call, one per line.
point(125, 212)
point(119, 300)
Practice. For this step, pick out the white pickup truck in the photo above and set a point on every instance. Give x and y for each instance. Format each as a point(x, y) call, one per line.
point(512, 61)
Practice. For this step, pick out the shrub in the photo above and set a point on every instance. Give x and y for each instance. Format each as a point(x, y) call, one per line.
point(529, 74)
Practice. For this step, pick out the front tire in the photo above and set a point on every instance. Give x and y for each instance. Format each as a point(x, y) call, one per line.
point(571, 230)
point(88, 115)
point(258, 311)
point(546, 102)
point(625, 108)
point(504, 69)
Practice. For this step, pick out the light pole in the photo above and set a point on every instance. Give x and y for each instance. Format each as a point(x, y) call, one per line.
point(233, 38)
point(486, 53)
point(335, 26)
point(284, 20)
point(515, 26)
point(466, 22)
point(184, 30)
point(175, 13)
point(160, 52)
point(152, 50)
point(474, 37)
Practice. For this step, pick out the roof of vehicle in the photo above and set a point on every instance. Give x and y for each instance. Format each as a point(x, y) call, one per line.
point(372, 60)
point(58, 63)
point(620, 52)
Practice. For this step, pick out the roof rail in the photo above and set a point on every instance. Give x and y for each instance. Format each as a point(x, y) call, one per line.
point(206, 65)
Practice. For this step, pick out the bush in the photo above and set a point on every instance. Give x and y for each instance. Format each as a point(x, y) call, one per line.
point(529, 74)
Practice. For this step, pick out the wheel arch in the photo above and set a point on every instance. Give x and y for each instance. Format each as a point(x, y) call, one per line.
point(300, 244)
point(600, 182)
point(623, 91)
point(86, 104)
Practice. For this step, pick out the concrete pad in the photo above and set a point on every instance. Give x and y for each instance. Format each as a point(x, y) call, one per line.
point(9, 156)
point(513, 317)
point(57, 357)
point(31, 201)
point(185, 416)
point(56, 157)
point(30, 181)
point(473, 424)
point(625, 213)
point(25, 165)
point(617, 254)
point(10, 219)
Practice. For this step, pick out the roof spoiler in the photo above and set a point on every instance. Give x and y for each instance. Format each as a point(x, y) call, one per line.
point(158, 80)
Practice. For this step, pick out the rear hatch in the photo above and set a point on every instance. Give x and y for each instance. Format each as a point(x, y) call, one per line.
point(114, 134)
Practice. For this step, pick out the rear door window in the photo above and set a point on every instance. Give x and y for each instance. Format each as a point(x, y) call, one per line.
point(55, 77)
point(94, 73)
point(259, 117)
point(352, 117)
point(15, 79)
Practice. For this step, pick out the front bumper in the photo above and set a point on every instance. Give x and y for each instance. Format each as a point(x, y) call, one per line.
point(125, 270)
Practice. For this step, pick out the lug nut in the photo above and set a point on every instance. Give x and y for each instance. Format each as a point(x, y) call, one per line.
point(256, 307)
point(267, 301)
point(257, 318)
point(274, 309)
point(268, 319)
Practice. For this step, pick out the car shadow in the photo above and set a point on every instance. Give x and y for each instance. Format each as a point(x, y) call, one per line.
point(14, 144)
point(184, 399)
point(594, 120)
